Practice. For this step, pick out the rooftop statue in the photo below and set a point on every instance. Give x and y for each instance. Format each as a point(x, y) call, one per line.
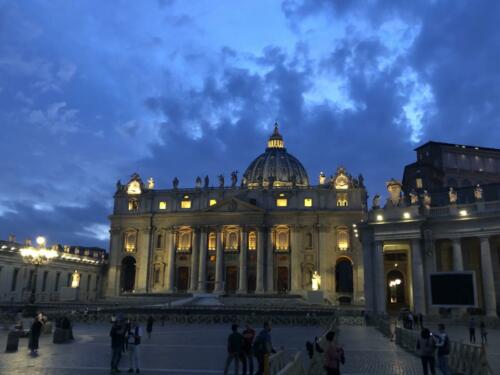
point(175, 183)
point(119, 185)
point(478, 192)
point(453, 196)
point(151, 183)
point(221, 180)
point(206, 182)
point(322, 178)
point(234, 178)
point(413, 197)
point(426, 199)
point(394, 190)
point(198, 182)
point(361, 181)
point(376, 201)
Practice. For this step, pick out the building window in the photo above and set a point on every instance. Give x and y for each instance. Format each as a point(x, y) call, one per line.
point(308, 202)
point(212, 239)
point(130, 242)
point(186, 204)
point(162, 205)
point(56, 284)
point(342, 200)
point(343, 238)
point(44, 281)
point(309, 240)
point(418, 183)
point(281, 202)
point(282, 235)
point(252, 241)
point(184, 240)
point(159, 241)
point(232, 240)
point(89, 280)
point(212, 202)
point(13, 285)
point(133, 204)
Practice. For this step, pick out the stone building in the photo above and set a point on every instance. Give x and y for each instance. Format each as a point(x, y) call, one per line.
point(267, 234)
point(77, 274)
point(411, 237)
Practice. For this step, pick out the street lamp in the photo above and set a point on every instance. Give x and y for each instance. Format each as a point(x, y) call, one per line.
point(37, 256)
point(393, 284)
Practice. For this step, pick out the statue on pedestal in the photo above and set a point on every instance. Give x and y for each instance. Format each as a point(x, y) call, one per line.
point(452, 194)
point(206, 182)
point(376, 201)
point(478, 193)
point(413, 197)
point(394, 190)
point(316, 281)
point(175, 183)
point(75, 279)
point(198, 182)
point(151, 183)
point(322, 178)
point(221, 180)
point(361, 181)
point(234, 178)
point(426, 199)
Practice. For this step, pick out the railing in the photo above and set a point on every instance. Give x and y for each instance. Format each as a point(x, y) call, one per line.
point(464, 359)
point(439, 211)
point(294, 367)
point(276, 363)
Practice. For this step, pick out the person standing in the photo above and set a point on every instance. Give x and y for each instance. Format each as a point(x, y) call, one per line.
point(484, 333)
point(134, 335)
point(472, 330)
point(234, 349)
point(149, 326)
point(263, 348)
point(35, 331)
point(410, 320)
point(443, 350)
point(426, 348)
point(421, 320)
point(247, 353)
point(116, 334)
point(334, 355)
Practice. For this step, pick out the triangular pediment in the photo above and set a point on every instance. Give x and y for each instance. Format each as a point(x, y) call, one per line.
point(234, 205)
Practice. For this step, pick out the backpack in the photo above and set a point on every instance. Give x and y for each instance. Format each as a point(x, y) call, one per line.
point(445, 349)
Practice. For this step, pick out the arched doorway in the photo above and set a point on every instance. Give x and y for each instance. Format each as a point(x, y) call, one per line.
point(396, 296)
point(128, 274)
point(344, 279)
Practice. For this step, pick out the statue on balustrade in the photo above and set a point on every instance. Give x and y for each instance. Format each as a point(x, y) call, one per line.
point(394, 190)
point(376, 201)
point(413, 197)
point(221, 180)
point(119, 185)
point(452, 194)
point(322, 178)
point(478, 193)
point(426, 199)
point(198, 182)
point(175, 183)
point(206, 182)
point(234, 178)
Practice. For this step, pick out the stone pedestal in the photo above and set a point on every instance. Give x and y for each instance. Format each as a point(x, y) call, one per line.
point(315, 297)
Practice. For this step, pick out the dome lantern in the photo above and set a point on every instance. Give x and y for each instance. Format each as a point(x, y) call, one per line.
point(275, 140)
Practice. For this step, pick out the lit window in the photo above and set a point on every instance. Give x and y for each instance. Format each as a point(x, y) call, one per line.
point(252, 241)
point(308, 202)
point(212, 241)
point(343, 239)
point(232, 240)
point(282, 239)
point(184, 240)
point(133, 205)
point(130, 241)
point(419, 183)
point(185, 204)
point(380, 218)
point(163, 205)
point(281, 202)
point(342, 200)
point(212, 202)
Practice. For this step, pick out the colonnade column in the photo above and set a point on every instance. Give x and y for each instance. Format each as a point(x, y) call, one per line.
point(368, 273)
point(417, 277)
point(325, 259)
point(296, 254)
point(202, 268)
point(194, 260)
point(219, 264)
point(260, 262)
point(116, 248)
point(380, 288)
point(490, 302)
point(458, 260)
point(270, 262)
point(171, 261)
point(243, 262)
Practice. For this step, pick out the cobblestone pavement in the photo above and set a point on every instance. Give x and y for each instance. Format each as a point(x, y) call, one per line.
point(197, 349)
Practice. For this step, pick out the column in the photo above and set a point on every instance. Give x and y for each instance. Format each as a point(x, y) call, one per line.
point(242, 289)
point(458, 260)
point(260, 262)
point(171, 261)
point(417, 267)
point(115, 249)
point(202, 269)
point(296, 255)
point(194, 260)
point(325, 259)
point(380, 287)
point(143, 260)
point(270, 262)
point(219, 264)
point(490, 303)
point(368, 272)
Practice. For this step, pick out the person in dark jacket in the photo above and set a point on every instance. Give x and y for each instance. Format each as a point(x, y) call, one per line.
point(117, 336)
point(149, 326)
point(35, 331)
point(426, 347)
point(247, 353)
point(263, 348)
point(234, 349)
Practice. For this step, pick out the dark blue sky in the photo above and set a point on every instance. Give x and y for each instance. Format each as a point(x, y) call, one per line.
point(92, 91)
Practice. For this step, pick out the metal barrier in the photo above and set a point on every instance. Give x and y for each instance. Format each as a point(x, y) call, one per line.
point(294, 367)
point(276, 363)
point(464, 359)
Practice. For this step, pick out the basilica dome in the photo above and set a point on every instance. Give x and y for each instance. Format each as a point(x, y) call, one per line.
point(275, 167)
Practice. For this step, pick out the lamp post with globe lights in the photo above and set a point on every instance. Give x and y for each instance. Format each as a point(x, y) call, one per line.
point(37, 256)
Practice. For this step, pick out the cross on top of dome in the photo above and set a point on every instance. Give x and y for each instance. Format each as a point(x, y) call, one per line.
point(275, 140)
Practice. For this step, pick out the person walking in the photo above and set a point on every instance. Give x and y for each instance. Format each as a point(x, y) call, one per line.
point(247, 353)
point(334, 355)
point(410, 320)
point(149, 326)
point(134, 335)
point(35, 331)
point(421, 320)
point(472, 330)
point(426, 348)
point(234, 349)
point(263, 348)
point(443, 350)
point(484, 333)
point(116, 334)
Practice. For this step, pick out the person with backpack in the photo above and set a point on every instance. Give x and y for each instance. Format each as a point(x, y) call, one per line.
point(443, 350)
point(262, 348)
point(234, 349)
point(472, 330)
point(134, 335)
point(334, 355)
point(426, 347)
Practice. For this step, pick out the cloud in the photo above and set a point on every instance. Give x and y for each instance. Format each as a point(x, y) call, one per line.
point(96, 231)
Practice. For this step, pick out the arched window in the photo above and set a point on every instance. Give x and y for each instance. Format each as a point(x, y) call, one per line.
point(309, 240)
point(342, 238)
point(342, 200)
point(130, 241)
point(184, 240)
point(212, 239)
point(252, 241)
point(282, 239)
point(232, 240)
point(159, 240)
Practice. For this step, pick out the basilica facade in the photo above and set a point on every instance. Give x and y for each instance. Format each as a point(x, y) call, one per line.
point(266, 234)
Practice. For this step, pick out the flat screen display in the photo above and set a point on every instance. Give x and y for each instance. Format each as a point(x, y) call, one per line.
point(453, 289)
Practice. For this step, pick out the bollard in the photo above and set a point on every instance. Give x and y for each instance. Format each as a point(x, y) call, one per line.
point(12, 342)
